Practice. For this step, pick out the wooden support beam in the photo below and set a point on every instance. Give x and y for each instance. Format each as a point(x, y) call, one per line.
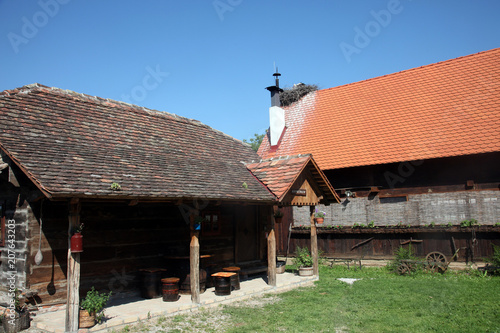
point(73, 272)
point(194, 262)
point(314, 243)
point(271, 255)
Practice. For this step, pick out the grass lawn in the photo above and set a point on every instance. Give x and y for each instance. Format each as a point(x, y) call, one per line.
point(379, 302)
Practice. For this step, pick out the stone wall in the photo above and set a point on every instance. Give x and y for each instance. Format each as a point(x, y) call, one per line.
point(419, 209)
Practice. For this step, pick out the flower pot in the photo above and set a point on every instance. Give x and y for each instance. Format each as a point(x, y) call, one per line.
point(305, 271)
point(86, 320)
point(77, 243)
point(20, 322)
point(280, 266)
point(319, 220)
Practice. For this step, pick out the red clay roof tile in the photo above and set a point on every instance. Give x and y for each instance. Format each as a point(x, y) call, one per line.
point(445, 109)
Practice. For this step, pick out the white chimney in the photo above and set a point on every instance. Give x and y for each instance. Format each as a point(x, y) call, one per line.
point(277, 121)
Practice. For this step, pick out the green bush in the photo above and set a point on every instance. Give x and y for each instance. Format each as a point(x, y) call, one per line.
point(94, 302)
point(303, 257)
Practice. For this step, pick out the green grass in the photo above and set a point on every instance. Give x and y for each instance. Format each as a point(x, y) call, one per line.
point(380, 302)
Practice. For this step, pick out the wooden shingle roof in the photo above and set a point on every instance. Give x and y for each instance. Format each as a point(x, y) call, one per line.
point(75, 145)
point(446, 109)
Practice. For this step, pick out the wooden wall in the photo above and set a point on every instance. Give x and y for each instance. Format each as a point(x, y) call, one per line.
point(474, 243)
point(119, 240)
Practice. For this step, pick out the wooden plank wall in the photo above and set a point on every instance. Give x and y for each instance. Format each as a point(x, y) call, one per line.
point(383, 245)
point(118, 240)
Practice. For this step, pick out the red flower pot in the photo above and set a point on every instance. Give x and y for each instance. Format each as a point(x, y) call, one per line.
point(319, 220)
point(77, 243)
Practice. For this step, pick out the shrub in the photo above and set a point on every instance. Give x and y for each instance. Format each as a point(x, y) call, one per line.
point(303, 257)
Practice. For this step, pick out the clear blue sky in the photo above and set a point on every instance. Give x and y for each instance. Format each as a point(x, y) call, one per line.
point(211, 60)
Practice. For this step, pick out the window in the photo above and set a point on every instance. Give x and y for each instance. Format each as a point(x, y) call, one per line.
point(211, 223)
point(2, 224)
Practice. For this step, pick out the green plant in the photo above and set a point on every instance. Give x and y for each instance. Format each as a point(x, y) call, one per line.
point(495, 258)
point(244, 185)
point(468, 223)
point(450, 224)
point(278, 213)
point(303, 257)
point(94, 302)
point(497, 224)
point(400, 255)
point(371, 224)
point(319, 214)
point(115, 186)
point(432, 225)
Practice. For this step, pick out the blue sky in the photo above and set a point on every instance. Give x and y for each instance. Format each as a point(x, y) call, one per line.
point(211, 60)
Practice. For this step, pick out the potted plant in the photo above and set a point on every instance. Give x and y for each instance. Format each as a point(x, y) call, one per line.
point(16, 317)
point(92, 308)
point(303, 261)
point(278, 216)
point(77, 239)
point(319, 216)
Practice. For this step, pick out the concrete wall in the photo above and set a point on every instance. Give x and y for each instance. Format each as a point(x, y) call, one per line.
point(420, 209)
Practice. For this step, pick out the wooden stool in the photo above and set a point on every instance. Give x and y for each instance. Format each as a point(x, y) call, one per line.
point(235, 280)
point(170, 289)
point(222, 282)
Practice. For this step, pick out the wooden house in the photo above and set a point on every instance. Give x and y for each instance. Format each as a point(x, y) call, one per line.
point(154, 192)
point(414, 156)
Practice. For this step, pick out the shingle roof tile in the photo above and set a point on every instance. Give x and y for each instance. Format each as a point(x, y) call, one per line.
point(445, 109)
point(77, 145)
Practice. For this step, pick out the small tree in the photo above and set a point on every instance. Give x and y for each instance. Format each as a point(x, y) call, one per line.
point(255, 141)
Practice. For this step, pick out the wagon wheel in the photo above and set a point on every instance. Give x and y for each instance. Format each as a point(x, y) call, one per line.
point(404, 268)
point(436, 262)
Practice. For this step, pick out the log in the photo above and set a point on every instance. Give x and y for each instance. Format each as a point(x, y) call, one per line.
point(73, 272)
point(271, 255)
point(194, 260)
point(314, 243)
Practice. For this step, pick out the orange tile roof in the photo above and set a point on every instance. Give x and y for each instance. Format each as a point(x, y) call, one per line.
point(279, 174)
point(446, 109)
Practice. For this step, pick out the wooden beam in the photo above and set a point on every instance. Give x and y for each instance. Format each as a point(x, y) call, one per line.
point(271, 255)
point(194, 262)
point(361, 243)
point(73, 272)
point(314, 243)
point(133, 202)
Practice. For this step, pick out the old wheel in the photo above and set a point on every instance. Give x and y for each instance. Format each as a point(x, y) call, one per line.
point(436, 262)
point(404, 268)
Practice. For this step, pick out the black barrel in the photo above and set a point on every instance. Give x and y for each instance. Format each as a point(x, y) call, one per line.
point(151, 282)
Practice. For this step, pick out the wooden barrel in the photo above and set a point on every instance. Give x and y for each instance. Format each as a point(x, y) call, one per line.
point(185, 288)
point(151, 282)
point(222, 282)
point(235, 279)
point(170, 289)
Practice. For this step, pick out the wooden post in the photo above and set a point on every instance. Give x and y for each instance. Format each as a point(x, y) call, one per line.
point(73, 272)
point(271, 255)
point(194, 264)
point(314, 243)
